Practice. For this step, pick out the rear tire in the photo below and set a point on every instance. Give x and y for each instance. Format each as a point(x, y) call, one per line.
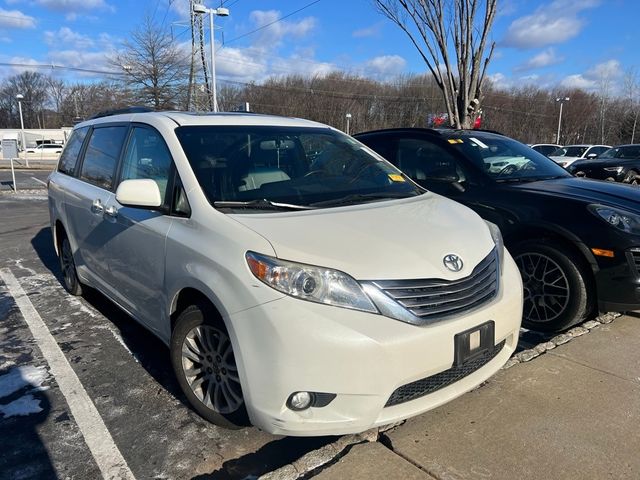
point(204, 364)
point(557, 291)
point(68, 267)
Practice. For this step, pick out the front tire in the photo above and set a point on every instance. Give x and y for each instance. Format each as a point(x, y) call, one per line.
point(557, 293)
point(68, 267)
point(631, 178)
point(204, 364)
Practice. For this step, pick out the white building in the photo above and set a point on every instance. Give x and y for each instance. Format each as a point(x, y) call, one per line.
point(36, 136)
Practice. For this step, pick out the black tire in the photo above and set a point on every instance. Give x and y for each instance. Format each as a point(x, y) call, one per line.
point(557, 286)
point(631, 177)
point(201, 333)
point(70, 278)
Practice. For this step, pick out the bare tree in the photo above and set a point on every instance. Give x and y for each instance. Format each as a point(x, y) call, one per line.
point(438, 27)
point(153, 66)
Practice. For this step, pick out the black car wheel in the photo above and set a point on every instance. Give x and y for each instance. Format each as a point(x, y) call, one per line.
point(67, 265)
point(556, 286)
point(204, 364)
point(632, 178)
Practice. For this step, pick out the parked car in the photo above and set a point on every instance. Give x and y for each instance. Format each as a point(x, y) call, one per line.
point(545, 148)
point(300, 281)
point(565, 156)
point(619, 164)
point(45, 149)
point(577, 243)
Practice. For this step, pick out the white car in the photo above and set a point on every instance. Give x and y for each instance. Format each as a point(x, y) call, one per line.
point(302, 283)
point(45, 149)
point(568, 154)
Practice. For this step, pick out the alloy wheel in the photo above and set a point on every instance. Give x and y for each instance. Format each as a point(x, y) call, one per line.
point(67, 265)
point(210, 369)
point(546, 287)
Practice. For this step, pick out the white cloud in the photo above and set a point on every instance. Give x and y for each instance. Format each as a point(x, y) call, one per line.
point(550, 24)
point(596, 77)
point(15, 19)
point(384, 66)
point(73, 6)
point(66, 36)
point(371, 31)
point(80, 59)
point(272, 35)
point(543, 59)
point(180, 8)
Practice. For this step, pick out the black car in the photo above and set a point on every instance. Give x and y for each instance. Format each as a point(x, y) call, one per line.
point(620, 164)
point(576, 241)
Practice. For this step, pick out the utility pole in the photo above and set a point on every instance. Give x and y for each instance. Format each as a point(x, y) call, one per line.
point(561, 100)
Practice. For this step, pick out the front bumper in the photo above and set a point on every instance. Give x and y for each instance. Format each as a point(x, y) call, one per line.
point(290, 345)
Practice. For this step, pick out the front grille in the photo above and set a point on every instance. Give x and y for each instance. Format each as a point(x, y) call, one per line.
point(634, 260)
point(433, 298)
point(428, 385)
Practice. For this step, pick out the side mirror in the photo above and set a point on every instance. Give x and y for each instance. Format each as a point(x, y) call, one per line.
point(140, 193)
point(592, 156)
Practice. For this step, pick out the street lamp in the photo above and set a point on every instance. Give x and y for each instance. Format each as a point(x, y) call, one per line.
point(200, 9)
point(561, 100)
point(348, 117)
point(19, 97)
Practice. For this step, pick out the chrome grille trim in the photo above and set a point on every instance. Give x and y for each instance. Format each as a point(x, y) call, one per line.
point(430, 300)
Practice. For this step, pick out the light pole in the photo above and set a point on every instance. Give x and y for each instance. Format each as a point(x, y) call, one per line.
point(348, 117)
point(561, 100)
point(222, 12)
point(19, 97)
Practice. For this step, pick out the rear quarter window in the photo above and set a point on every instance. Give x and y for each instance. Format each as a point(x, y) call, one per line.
point(69, 157)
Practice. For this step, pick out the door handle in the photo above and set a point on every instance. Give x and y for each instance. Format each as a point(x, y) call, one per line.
point(111, 211)
point(96, 206)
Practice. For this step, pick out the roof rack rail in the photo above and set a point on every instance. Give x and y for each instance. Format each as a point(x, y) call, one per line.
point(107, 113)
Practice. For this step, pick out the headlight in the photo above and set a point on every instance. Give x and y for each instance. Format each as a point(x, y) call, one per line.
point(497, 239)
point(616, 217)
point(306, 282)
point(614, 169)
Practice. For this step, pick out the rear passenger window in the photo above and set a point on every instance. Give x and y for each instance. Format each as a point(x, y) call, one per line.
point(102, 153)
point(69, 157)
point(147, 156)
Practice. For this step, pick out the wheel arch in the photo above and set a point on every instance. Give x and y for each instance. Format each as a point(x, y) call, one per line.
point(189, 295)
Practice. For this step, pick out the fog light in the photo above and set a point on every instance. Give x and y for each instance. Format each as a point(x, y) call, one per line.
point(300, 401)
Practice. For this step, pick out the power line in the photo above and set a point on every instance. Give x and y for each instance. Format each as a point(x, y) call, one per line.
point(271, 23)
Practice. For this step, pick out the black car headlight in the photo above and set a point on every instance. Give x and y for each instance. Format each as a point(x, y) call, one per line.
point(623, 220)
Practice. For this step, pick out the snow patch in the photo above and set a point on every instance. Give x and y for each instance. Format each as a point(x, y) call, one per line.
point(23, 406)
point(20, 377)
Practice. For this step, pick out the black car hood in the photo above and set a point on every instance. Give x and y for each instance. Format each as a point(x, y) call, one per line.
point(589, 191)
point(610, 162)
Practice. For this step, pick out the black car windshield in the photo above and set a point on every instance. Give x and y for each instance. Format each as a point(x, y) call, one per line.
point(270, 168)
point(573, 151)
point(626, 151)
point(504, 159)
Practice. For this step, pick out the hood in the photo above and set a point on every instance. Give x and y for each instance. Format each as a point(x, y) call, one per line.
point(588, 191)
point(609, 162)
point(390, 240)
point(557, 158)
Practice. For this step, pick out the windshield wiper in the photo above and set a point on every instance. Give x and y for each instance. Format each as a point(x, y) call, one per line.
point(359, 198)
point(260, 204)
point(529, 179)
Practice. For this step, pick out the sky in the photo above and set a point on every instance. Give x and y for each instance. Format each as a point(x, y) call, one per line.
point(558, 44)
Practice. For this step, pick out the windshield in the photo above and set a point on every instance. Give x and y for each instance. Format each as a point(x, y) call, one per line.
point(574, 151)
point(504, 159)
point(288, 167)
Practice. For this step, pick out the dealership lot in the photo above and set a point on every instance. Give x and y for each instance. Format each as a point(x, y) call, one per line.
point(575, 407)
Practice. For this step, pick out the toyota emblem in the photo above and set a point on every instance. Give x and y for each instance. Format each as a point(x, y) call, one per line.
point(453, 262)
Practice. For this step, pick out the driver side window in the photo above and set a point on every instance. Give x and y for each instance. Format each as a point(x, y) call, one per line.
point(423, 160)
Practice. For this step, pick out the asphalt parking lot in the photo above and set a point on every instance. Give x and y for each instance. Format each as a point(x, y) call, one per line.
point(124, 371)
point(124, 417)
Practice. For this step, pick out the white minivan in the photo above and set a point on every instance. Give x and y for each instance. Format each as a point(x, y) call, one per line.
point(302, 283)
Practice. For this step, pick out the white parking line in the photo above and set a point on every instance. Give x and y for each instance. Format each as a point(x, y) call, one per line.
point(38, 180)
point(98, 439)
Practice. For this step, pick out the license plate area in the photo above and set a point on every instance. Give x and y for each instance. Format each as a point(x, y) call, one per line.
point(474, 342)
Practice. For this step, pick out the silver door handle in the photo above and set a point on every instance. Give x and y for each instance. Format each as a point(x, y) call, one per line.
point(111, 211)
point(96, 206)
